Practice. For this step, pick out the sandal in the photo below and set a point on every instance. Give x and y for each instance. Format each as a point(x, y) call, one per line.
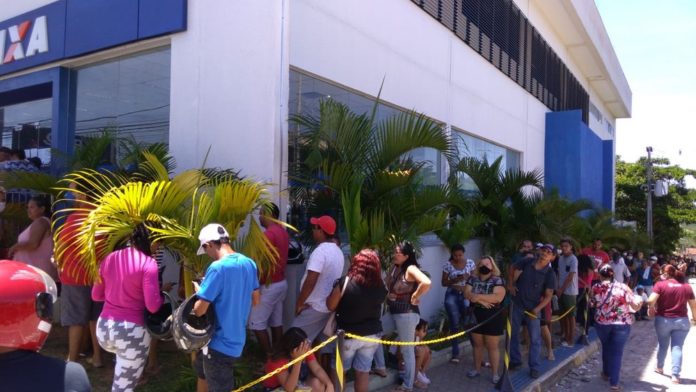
point(380, 372)
point(676, 380)
point(615, 388)
point(659, 371)
point(400, 388)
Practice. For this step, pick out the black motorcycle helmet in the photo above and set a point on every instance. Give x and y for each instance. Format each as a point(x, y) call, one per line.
point(159, 324)
point(191, 333)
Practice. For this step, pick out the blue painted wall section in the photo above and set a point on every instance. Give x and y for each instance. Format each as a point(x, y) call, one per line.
point(609, 173)
point(78, 27)
point(576, 162)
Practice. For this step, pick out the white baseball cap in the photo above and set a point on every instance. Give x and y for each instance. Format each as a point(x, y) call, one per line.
point(211, 232)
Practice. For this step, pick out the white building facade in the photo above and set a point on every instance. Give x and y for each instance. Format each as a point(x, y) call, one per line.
point(534, 81)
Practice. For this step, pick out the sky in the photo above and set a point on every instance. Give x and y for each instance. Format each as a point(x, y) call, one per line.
point(655, 42)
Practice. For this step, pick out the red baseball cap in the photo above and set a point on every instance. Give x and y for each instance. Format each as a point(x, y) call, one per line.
point(326, 223)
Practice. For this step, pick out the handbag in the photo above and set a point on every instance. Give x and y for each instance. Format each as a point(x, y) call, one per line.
point(330, 327)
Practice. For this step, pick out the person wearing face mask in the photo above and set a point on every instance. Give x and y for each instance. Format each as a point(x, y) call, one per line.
point(486, 291)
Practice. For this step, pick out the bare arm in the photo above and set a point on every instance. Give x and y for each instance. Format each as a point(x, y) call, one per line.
point(321, 375)
point(289, 379)
point(334, 298)
point(653, 298)
point(566, 283)
point(307, 288)
point(495, 297)
point(200, 307)
point(37, 230)
point(255, 297)
point(548, 293)
point(423, 283)
point(692, 305)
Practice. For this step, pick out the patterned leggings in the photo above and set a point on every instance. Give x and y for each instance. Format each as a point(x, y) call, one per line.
point(130, 343)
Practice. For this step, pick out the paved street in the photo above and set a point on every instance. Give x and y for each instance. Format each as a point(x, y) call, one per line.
point(637, 370)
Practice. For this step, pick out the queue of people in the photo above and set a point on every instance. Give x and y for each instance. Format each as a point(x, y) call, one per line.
point(592, 288)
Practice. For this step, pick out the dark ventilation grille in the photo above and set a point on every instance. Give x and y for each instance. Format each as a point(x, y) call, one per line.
point(499, 31)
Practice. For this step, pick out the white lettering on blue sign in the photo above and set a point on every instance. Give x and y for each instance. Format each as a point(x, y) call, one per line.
point(37, 41)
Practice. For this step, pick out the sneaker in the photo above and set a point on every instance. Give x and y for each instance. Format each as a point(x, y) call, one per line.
point(472, 374)
point(495, 378)
point(566, 344)
point(534, 373)
point(423, 378)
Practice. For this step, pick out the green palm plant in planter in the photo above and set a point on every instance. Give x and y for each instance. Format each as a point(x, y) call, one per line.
point(363, 168)
point(503, 197)
point(175, 209)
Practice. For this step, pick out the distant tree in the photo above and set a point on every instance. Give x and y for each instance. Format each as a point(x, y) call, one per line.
point(669, 212)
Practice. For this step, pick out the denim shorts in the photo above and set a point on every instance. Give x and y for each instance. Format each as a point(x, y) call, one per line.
point(358, 354)
point(216, 368)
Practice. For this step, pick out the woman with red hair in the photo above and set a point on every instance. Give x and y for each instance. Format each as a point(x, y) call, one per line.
point(668, 302)
point(357, 299)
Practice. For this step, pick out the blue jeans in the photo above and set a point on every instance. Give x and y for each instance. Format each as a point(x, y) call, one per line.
point(534, 330)
point(613, 338)
point(671, 332)
point(379, 357)
point(456, 307)
point(406, 328)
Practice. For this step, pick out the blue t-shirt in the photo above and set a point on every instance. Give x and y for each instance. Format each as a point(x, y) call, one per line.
point(532, 283)
point(228, 285)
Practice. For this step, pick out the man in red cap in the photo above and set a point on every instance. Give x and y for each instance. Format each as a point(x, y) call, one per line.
point(325, 265)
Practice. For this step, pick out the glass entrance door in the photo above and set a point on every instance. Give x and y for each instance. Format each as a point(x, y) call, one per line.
point(27, 126)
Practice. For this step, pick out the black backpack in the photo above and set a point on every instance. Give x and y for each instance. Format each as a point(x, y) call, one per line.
point(295, 255)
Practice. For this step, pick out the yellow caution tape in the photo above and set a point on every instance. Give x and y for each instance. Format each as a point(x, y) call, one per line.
point(294, 361)
point(553, 320)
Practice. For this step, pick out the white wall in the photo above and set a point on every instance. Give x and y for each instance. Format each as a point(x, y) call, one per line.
point(229, 78)
point(425, 66)
point(12, 8)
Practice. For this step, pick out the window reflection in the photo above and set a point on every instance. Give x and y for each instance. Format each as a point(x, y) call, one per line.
point(306, 93)
point(27, 126)
point(471, 146)
point(129, 96)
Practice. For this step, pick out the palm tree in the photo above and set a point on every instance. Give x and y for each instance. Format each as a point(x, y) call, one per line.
point(363, 168)
point(175, 209)
point(504, 198)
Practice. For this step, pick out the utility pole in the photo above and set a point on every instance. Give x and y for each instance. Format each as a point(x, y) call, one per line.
point(650, 192)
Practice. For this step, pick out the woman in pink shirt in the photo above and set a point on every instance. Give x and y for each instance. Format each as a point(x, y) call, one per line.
point(128, 286)
point(35, 244)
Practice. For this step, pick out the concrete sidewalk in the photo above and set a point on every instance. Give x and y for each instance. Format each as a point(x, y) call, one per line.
point(446, 376)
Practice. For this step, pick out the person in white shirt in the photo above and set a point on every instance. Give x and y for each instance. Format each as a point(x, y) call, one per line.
point(325, 265)
point(621, 272)
point(568, 291)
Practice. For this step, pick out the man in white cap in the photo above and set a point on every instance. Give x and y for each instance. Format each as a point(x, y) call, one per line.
point(325, 265)
point(231, 285)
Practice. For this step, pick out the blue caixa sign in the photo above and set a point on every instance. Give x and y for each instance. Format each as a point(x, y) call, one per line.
point(70, 28)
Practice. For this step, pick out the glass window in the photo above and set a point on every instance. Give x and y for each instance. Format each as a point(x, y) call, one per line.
point(27, 126)
point(129, 96)
point(306, 92)
point(471, 146)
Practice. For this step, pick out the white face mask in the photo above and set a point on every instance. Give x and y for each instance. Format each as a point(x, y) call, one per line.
point(2, 206)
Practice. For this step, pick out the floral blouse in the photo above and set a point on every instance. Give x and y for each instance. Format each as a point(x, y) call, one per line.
point(452, 271)
point(612, 307)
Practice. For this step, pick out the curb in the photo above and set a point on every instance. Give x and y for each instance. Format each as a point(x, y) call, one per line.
point(551, 377)
point(438, 358)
